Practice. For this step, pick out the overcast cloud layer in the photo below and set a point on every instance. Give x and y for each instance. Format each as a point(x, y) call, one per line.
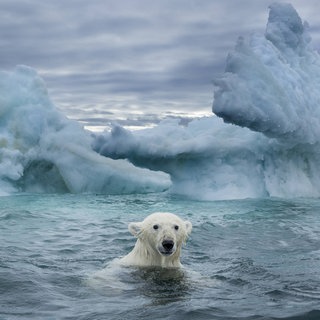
point(134, 61)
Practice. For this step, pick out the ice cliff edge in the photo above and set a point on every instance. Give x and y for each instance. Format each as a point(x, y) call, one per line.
point(43, 151)
point(271, 84)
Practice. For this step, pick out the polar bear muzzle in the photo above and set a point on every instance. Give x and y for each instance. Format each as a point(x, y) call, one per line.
point(167, 247)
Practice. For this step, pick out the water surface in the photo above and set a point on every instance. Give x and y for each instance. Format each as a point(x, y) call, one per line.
point(245, 259)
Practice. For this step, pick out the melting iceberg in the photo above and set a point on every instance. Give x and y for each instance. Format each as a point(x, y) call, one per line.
point(264, 142)
point(211, 160)
point(268, 143)
point(42, 151)
point(271, 84)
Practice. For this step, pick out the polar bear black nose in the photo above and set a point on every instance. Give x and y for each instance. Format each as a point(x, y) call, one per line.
point(168, 245)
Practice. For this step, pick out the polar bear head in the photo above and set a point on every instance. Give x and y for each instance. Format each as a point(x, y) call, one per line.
point(160, 234)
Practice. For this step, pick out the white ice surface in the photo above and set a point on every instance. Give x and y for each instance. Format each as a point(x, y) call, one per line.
point(43, 151)
point(270, 93)
point(265, 143)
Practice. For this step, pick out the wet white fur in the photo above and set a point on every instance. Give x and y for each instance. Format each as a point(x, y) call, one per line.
point(147, 250)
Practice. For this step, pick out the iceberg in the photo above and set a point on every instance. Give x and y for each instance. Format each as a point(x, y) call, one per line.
point(212, 160)
point(43, 151)
point(264, 140)
point(271, 84)
point(206, 160)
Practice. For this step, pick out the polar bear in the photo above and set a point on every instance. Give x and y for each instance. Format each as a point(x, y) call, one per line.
point(160, 237)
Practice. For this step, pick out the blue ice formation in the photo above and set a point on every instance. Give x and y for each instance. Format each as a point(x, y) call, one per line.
point(271, 84)
point(268, 143)
point(43, 151)
point(264, 142)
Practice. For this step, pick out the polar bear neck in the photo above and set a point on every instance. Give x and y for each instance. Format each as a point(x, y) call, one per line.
point(144, 255)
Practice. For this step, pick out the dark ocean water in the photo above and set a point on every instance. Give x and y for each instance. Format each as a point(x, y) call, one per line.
point(245, 259)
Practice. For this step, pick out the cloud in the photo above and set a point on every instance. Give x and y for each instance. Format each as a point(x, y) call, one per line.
point(125, 57)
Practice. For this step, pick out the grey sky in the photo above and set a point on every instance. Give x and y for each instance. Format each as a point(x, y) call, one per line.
point(134, 61)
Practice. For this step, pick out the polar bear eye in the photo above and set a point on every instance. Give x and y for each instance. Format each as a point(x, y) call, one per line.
point(155, 227)
point(176, 227)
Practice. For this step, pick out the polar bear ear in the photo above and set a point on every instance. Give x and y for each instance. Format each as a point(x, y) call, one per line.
point(135, 228)
point(188, 225)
